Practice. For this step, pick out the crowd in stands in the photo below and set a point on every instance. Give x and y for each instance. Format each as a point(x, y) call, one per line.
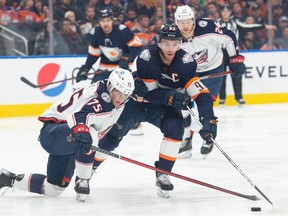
point(73, 19)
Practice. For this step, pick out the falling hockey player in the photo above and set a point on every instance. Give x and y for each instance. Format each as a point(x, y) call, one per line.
point(69, 130)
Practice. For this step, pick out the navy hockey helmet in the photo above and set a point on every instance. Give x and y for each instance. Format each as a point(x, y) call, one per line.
point(106, 13)
point(170, 32)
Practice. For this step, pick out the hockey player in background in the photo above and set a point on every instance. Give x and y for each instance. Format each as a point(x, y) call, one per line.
point(69, 130)
point(169, 75)
point(114, 44)
point(204, 40)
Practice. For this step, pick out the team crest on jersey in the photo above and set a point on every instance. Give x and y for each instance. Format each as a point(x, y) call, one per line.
point(106, 97)
point(145, 55)
point(187, 58)
point(202, 23)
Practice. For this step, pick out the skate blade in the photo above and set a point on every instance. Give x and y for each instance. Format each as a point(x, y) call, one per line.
point(4, 191)
point(162, 193)
point(81, 197)
point(185, 155)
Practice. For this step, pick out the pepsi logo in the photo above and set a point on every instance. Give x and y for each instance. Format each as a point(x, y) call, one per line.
point(49, 73)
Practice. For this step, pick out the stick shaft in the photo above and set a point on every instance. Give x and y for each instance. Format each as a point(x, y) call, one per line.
point(250, 197)
point(229, 159)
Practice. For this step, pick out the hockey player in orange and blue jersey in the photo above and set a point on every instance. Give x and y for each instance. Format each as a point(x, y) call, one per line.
point(115, 44)
point(169, 82)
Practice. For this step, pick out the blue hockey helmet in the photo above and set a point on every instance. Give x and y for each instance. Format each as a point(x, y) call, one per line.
point(106, 13)
point(170, 32)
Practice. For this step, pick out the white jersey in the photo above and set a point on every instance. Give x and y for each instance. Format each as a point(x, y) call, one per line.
point(91, 106)
point(207, 43)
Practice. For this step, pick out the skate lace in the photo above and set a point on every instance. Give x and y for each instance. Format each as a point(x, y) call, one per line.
point(207, 145)
point(83, 183)
point(164, 179)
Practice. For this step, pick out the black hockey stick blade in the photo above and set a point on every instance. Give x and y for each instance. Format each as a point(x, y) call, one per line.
point(23, 79)
point(250, 197)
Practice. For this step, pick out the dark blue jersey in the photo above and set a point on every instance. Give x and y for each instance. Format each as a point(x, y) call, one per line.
point(179, 75)
point(110, 47)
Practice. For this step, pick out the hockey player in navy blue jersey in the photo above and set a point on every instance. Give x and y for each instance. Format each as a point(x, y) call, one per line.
point(169, 75)
point(115, 44)
point(69, 130)
point(204, 40)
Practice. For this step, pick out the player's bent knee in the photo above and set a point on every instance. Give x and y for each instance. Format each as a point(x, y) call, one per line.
point(172, 125)
point(52, 190)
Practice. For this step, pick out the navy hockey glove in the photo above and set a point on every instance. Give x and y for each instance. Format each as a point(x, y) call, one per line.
point(82, 138)
point(209, 129)
point(124, 62)
point(177, 100)
point(237, 66)
point(82, 74)
point(140, 90)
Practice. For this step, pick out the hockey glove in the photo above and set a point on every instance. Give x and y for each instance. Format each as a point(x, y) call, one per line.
point(124, 62)
point(177, 100)
point(82, 74)
point(237, 66)
point(209, 129)
point(82, 138)
point(140, 90)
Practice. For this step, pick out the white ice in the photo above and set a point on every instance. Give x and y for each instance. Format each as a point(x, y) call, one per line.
point(254, 137)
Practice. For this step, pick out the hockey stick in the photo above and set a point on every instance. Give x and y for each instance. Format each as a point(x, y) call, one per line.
point(224, 73)
point(229, 159)
point(23, 79)
point(250, 197)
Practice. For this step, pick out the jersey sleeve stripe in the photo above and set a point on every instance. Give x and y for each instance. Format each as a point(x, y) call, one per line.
point(94, 51)
point(135, 42)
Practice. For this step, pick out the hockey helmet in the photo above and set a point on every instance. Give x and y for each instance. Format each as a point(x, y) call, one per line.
point(122, 80)
point(184, 13)
point(106, 13)
point(169, 32)
point(225, 7)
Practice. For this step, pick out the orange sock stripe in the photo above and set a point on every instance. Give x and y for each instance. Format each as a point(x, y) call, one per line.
point(167, 157)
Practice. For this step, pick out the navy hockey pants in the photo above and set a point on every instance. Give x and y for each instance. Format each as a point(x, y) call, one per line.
point(56, 140)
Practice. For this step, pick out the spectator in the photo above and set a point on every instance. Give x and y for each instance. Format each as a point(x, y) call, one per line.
point(25, 12)
point(142, 30)
point(141, 8)
point(213, 12)
point(237, 12)
point(283, 41)
point(158, 14)
point(283, 22)
point(89, 21)
point(201, 9)
point(275, 45)
point(7, 13)
point(171, 8)
point(64, 6)
point(77, 45)
point(41, 46)
point(249, 42)
point(131, 22)
point(74, 25)
point(155, 30)
point(116, 7)
point(278, 12)
point(41, 11)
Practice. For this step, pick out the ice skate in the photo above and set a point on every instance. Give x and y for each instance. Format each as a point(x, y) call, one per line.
point(185, 149)
point(221, 102)
point(206, 148)
point(7, 179)
point(241, 103)
point(82, 188)
point(163, 185)
point(137, 130)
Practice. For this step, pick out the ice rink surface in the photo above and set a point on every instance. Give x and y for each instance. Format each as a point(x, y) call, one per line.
point(254, 137)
